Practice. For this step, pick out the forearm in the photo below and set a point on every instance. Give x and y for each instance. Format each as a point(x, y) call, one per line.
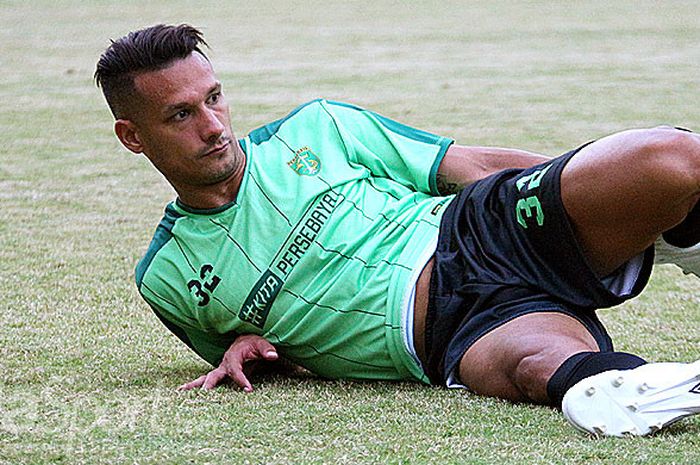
point(464, 165)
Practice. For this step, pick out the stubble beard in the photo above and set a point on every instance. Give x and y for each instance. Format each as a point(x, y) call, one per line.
point(234, 163)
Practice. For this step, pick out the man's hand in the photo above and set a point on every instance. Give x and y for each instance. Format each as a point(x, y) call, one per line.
point(245, 349)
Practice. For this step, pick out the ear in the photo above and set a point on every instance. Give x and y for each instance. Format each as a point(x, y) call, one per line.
point(128, 135)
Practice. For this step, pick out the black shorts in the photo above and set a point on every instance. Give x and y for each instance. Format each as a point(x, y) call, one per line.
point(506, 248)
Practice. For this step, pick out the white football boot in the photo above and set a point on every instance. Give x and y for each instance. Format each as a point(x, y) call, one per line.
point(687, 258)
point(634, 402)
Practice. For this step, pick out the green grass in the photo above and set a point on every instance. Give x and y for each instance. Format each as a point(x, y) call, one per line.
point(88, 374)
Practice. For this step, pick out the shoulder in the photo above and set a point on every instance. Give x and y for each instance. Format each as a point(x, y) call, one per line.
point(307, 113)
point(266, 132)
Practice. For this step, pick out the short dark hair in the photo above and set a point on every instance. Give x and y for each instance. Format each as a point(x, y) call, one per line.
point(148, 49)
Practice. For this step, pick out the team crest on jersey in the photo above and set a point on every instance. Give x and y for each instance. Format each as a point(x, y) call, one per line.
point(305, 162)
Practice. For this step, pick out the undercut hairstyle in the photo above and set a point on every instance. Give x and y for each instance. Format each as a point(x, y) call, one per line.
point(150, 49)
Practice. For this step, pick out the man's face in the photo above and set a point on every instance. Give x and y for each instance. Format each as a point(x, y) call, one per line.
point(183, 124)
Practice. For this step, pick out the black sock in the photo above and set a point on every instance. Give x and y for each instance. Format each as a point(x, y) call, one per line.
point(686, 234)
point(583, 365)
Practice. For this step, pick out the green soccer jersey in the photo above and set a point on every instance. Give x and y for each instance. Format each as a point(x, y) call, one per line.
point(316, 254)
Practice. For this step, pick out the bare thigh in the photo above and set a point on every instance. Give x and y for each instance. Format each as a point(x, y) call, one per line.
point(622, 191)
point(516, 360)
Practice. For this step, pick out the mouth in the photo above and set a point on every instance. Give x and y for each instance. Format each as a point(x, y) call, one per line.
point(219, 149)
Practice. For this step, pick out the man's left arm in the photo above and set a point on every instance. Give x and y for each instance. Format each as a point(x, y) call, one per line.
point(418, 159)
point(463, 165)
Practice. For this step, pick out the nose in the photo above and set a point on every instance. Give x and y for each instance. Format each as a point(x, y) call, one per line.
point(211, 126)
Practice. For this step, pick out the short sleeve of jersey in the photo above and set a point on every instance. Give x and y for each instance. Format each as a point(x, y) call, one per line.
point(167, 305)
point(390, 149)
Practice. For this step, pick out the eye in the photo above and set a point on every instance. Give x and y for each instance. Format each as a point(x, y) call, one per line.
point(214, 98)
point(181, 115)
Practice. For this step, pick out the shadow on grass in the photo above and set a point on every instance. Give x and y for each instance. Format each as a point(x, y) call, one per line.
point(174, 376)
point(687, 426)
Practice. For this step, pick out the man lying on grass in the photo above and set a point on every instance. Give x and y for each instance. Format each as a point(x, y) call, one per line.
point(358, 247)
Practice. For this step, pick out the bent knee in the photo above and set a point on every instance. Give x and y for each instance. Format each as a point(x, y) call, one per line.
point(674, 153)
point(660, 155)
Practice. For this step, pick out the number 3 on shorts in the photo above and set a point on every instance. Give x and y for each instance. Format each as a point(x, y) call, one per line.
point(526, 206)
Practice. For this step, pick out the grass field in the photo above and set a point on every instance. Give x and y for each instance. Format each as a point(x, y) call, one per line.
point(87, 374)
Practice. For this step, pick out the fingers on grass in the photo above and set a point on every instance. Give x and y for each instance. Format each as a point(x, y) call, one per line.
point(214, 378)
point(241, 380)
point(193, 384)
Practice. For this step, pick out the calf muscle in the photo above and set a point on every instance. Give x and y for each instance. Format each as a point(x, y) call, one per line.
point(516, 360)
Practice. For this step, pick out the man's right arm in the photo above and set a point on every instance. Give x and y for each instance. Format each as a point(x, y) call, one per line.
point(244, 350)
point(241, 359)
